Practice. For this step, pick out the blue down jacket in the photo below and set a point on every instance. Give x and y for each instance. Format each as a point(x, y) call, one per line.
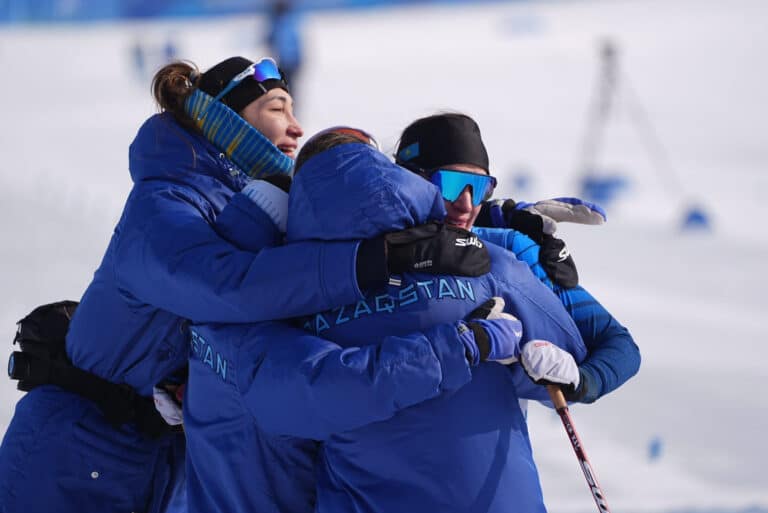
point(165, 263)
point(464, 450)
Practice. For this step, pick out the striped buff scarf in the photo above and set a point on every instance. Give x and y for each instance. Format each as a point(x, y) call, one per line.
point(230, 133)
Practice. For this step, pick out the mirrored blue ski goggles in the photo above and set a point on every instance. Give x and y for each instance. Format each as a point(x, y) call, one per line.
point(265, 69)
point(452, 183)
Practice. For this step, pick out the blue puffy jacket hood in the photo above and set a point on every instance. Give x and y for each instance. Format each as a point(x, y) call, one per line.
point(163, 149)
point(353, 191)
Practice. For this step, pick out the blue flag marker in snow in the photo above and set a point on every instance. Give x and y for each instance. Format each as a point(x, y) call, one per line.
point(603, 189)
point(655, 446)
point(696, 218)
point(521, 180)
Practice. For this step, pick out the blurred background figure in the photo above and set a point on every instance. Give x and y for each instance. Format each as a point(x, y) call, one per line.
point(613, 98)
point(149, 53)
point(284, 40)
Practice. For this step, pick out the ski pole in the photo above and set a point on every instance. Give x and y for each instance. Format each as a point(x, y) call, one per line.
point(558, 399)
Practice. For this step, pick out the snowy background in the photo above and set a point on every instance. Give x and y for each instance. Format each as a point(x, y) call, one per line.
point(689, 432)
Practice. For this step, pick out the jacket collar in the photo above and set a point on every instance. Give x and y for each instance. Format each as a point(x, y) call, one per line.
point(163, 149)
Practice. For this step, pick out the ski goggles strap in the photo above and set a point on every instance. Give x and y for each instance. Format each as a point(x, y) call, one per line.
point(261, 71)
point(452, 183)
point(358, 133)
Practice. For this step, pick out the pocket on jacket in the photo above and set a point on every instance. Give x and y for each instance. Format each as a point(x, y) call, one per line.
point(111, 466)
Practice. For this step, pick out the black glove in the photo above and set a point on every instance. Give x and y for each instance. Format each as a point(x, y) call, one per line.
point(433, 247)
point(553, 255)
point(436, 248)
point(486, 219)
point(521, 220)
point(558, 263)
point(583, 392)
point(281, 181)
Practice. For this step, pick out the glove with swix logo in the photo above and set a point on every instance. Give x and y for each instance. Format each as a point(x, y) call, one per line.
point(539, 222)
point(557, 262)
point(554, 256)
point(436, 248)
point(495, 334)
point(433, 247)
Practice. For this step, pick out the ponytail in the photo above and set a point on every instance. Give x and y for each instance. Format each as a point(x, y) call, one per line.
point(171, 86)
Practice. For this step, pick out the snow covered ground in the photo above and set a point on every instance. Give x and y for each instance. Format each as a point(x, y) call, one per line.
point(71, 101)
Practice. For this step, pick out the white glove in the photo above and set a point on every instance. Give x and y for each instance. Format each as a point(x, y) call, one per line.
point(547, 364)
point(569, 210)
point(169, 409)
point(271, 199)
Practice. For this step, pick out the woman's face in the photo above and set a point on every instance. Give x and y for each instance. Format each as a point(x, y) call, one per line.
point(461, 212)
point(272, 115)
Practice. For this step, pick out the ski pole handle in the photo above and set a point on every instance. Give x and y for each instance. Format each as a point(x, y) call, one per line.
point(557, 396)
point(558, 399)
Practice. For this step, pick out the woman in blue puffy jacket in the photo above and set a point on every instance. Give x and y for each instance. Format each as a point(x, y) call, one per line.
point(448, 150)
point(220, 132)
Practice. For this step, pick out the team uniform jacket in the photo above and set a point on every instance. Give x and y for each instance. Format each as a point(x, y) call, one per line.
point(419, 444)
point(164, 264)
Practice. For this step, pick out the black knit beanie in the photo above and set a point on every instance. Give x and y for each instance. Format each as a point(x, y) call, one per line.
point(439, 140)
point(216, 79)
